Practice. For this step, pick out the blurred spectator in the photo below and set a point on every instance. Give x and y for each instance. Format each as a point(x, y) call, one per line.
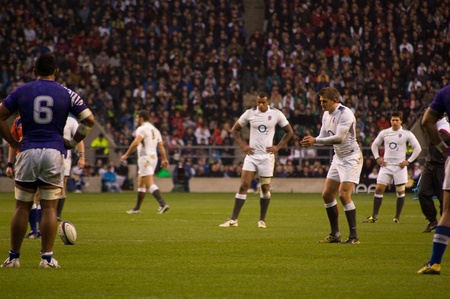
point(181, 175)
point(100, 145)
point(77, 176)
point(109, 181)
point(279, 171)
point(216, 169)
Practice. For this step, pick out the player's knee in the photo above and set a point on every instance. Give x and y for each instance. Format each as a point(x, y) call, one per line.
point(264, 181)
point(400, 189)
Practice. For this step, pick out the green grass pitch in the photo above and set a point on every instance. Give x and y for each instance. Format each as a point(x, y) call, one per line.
point(185, 254)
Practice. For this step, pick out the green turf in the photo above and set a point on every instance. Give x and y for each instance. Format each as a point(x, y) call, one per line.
point(185, 254)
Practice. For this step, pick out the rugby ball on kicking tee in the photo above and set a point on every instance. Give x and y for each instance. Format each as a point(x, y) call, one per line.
point(67, 232)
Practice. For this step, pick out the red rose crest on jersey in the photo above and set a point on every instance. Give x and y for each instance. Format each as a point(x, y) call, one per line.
point(269, 117)
point(333, 120)
point(400, 135)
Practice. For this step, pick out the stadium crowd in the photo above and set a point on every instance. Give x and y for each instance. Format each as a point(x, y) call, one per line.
point(190, 62)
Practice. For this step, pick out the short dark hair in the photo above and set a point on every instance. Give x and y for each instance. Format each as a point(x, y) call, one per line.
point(144, 115)
point(45, 65)
point(263, 95)
point(398, 114)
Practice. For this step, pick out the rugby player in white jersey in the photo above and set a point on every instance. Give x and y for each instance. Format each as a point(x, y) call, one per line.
point(69, 131)
point(260, 153)
point(394, 164)
point(148, 139)
point(338, 129)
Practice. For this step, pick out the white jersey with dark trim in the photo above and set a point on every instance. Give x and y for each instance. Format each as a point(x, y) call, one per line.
point(340, 121)
point(151, 137)
point(262, 127)
point(395, 145)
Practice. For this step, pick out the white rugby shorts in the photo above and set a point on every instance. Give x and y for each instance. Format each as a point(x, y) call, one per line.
point(262, 164)
point(45, 164)
point(147, 165)
point(346, 169)
point(392, 173)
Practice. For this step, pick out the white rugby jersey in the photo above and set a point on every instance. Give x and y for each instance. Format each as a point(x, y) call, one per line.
point(339, 129)
point(70, 128)
point(69, 131)
point(395, 145)
point(262, 127)
point(151, 136)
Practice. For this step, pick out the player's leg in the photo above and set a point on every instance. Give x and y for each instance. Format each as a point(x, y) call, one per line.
point(425, 192)
point(377, 201)
point(51, 182)
point(19, 224)
point(441, 235)
point(329, 191)
point(24, 192)
point(349, 173)
point(265, 171)
point(37, 201)
point(62, 198)
point(32, 220)
point(49, 202)
point(441, 238)
point(141, 190)
point(400, 191)
point(154, 190)
point(345, 193)
point(264, 200)
point(400, 179)
point(241, 196)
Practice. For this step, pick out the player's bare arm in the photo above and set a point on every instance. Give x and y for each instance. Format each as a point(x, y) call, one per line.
point(381, 162)
point(288, 133)
point(81, 158)
point(162, 151)
point(87, 121)
point(236, 133)
point(429, 121)
point(132, 148)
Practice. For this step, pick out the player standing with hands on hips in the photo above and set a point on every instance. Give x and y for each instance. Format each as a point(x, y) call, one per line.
point(439, 106)
point(338, 129)
point(393, 164)
point(44, 106)
point(260, 153)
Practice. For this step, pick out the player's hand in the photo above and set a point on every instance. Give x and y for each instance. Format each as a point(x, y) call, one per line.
point(81, 162)
point(403, 164)
point(9, 172)
point(308, 141)
point(381, 162)
point(272, 149)
point(164, 163)
point(123, 158)
point(248, 150)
